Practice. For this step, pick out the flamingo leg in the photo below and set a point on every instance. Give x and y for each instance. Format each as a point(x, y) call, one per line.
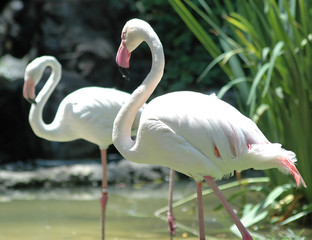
point(104, 197)
point(245, 234)
point(171, 222)
point(200, 211)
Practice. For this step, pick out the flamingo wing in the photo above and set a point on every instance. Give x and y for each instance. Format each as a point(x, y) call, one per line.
point(89, 114)
point(194, 122)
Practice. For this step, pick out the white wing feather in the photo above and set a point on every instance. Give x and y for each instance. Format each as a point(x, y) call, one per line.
point(184, 128)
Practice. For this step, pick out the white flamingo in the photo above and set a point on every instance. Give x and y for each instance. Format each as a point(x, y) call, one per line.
point(198, 135)
point(87, 113)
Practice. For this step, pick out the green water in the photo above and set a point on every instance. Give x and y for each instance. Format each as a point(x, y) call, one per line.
point(66, 214)
point(75, 214)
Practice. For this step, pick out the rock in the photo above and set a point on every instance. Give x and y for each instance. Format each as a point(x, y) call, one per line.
point(85, 42)
point(17, 140)
point(131, 172)
point(12, 68)
point(51, 173)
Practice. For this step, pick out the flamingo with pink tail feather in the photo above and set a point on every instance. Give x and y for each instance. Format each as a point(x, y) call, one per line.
point(195, 134)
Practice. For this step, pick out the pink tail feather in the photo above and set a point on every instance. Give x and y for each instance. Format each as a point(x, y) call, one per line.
point(268, 154)
point(290, 166)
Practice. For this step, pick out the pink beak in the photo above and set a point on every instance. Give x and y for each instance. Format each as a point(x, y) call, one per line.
point(123, 55)
point(29, 91)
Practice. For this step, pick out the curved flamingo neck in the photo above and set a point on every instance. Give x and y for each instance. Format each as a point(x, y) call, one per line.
point(125, 117)
point(47, 131)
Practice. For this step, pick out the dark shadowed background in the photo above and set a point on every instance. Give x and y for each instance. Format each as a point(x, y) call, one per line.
point(84, 36)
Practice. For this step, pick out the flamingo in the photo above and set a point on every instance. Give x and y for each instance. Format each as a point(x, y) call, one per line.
point(87, 113)
point(192, 133)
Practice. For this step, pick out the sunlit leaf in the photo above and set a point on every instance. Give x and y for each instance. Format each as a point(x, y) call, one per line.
point(297, 216)
point(229, 85)
point(275, 53)
point(256, 81)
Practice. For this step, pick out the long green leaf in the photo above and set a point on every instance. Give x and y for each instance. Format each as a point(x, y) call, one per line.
point(275, 53)
point(195, 27)
point(229, 85)
point(255, 83)
point(297, 216)
point(224, 57)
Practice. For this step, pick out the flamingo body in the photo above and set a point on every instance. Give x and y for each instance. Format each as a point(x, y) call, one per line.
point(198, 135)
point(87, 113)
point(202, 133)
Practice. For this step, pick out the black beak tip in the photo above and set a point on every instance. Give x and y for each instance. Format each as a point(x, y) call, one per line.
point(31, 101)
point(125, 72)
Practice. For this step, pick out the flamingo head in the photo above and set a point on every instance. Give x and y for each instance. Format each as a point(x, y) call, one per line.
point(133, 34)
point(33, 74)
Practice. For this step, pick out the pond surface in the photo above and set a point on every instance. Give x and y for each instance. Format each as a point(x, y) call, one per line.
point(75, 214)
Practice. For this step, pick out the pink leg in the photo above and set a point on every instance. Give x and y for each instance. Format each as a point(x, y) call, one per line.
point(171, 222)
point(238, 223)
point(200, 211)
point(104, 197)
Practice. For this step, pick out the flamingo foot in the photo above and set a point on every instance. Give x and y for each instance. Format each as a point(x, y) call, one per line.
point(103, 201)
point(247, 236)
point(171, 225)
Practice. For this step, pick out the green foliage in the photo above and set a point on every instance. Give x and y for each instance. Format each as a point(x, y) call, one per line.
point(277, 203)
point(270, 206)
point(251, 183)
point(266, 50)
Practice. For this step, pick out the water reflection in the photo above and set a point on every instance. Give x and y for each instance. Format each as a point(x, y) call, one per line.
point(74, 213)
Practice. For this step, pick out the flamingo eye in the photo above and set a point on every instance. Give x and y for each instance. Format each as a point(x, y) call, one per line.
point(123, 35)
